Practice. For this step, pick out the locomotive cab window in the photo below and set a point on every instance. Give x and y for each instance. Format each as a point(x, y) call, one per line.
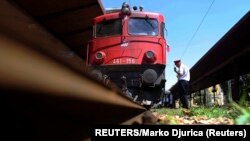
point(162, 30)
point(108, 28)
point(143, 26)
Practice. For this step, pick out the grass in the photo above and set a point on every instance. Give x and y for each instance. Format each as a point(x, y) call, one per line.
point(215, 112)
point(169, 112)
point(210, 112)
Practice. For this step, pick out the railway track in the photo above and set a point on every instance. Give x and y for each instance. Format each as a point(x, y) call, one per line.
point(46, 100)
point(45, 91)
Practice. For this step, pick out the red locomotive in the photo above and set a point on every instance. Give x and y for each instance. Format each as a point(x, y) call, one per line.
point(128, 48)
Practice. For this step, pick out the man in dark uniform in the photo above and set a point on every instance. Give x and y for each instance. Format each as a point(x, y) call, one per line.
point(183, 75)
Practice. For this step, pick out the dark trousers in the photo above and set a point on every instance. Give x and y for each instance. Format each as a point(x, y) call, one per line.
point(183, 86)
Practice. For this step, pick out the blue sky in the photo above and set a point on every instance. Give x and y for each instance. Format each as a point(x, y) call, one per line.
point(182, 18)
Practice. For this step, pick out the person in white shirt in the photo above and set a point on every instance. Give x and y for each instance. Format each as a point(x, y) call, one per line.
point(183, 75)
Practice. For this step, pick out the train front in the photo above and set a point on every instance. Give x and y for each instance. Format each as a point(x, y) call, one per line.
point(128, 49)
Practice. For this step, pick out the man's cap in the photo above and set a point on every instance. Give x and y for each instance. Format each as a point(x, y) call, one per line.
point(177, 61)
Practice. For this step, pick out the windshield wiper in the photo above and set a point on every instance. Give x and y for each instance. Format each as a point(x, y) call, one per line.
point(148, 21)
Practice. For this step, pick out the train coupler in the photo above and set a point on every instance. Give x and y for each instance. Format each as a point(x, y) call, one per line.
point(106, 79)
point(124, 87)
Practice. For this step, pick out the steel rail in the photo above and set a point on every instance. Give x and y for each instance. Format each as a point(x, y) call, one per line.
point(45, 92)
point(34, 86)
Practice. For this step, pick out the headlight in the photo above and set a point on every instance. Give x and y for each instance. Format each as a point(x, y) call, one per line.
point(100, 57)
point(150, 56)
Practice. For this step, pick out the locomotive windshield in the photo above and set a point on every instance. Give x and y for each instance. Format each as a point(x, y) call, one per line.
point(108, 28)
point(139, 26)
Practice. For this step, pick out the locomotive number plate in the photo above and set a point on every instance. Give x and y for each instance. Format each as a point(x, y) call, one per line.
point(124, 61)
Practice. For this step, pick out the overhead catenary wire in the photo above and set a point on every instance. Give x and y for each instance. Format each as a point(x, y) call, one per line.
point(195, 33)
point(197, 29)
